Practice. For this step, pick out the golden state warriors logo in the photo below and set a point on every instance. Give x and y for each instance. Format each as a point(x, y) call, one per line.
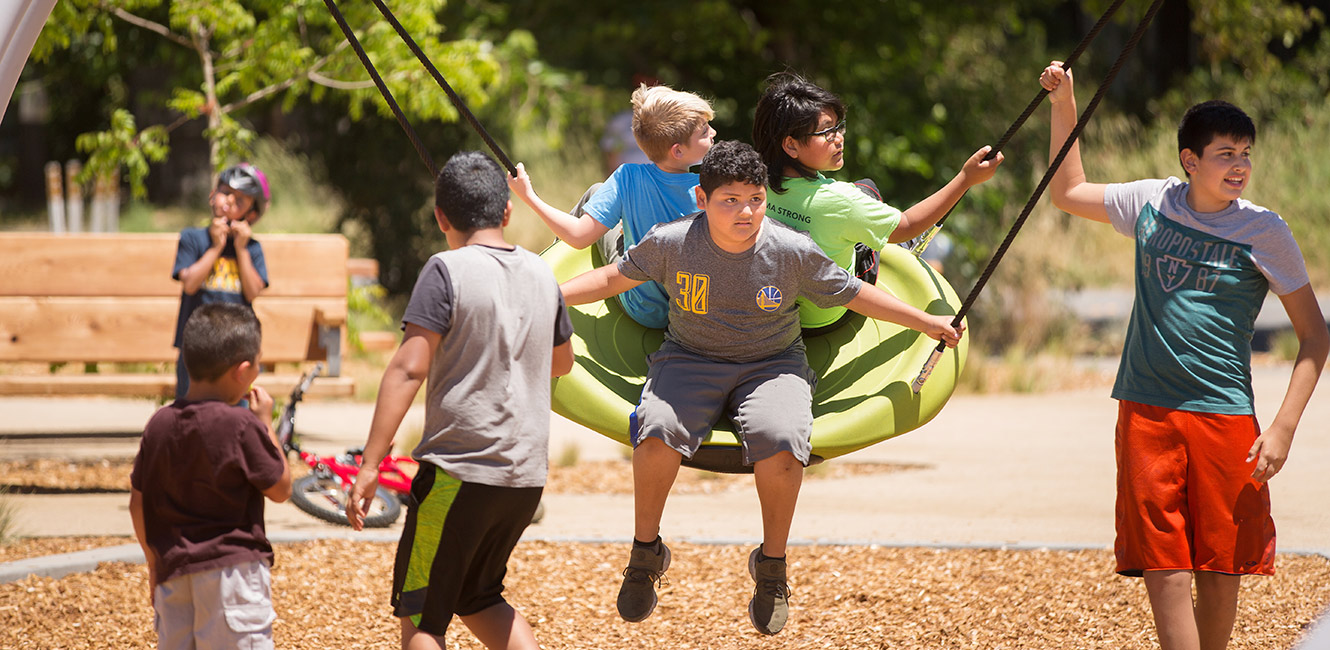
point(768, 298)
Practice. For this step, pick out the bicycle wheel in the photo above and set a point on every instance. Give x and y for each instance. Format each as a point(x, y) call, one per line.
point(324, 497)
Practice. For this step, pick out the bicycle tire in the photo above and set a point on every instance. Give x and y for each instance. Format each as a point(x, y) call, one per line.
point(324, 497)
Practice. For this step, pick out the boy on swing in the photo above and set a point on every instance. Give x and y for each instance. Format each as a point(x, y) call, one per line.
point(733, 348)
point(673, 128)
point(799, 128)
point(1193, 463)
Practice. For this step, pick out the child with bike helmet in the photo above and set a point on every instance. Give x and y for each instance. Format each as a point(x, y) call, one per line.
point(222, 262)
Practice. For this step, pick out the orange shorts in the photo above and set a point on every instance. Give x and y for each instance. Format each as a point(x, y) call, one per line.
point(1186, 498)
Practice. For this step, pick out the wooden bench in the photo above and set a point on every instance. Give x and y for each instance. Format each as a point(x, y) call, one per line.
point(109, 298)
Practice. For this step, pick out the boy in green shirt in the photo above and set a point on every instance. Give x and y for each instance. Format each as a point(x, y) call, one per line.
point(799, 129)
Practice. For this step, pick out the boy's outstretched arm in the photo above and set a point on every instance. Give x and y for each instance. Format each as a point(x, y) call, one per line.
point(408, 369)
point(596, 284)
point(1271, 448)
point(1068, 189)
point(260, 404)
point(922, 215)
point(578, 232)
point(876, 303)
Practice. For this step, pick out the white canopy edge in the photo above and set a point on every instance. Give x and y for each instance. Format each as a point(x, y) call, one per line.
point(20, 23)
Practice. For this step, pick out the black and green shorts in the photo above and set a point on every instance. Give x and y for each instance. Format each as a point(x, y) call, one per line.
point(455, 546)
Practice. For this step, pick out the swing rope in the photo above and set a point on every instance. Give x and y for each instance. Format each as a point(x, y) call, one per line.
point(928, 236)
point(918, 382)
point(383, 88)
point(443, 83)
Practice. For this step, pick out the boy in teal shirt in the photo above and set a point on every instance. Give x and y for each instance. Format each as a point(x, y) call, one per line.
point(1193, 462)
point(799, 129)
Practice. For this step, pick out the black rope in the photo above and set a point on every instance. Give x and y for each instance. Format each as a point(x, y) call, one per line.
point(1043, 184)
point(443, 83)
point(383, 88)
point(1025, 115)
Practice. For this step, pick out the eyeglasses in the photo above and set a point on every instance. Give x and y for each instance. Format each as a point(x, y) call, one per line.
point(838, 129)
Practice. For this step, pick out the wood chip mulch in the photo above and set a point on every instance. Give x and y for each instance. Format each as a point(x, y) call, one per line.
point(30, 547)
point(47, 475)
point(334, 594)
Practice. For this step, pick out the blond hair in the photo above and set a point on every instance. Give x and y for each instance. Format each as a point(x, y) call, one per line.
point(664, 117)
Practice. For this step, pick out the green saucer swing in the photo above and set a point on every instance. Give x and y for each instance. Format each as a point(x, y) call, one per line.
point(864, 367)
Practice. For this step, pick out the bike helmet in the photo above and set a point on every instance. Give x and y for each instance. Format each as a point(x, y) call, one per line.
point(248, 180)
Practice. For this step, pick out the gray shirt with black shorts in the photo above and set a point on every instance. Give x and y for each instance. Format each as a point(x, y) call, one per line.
point(484, 451)
point(487, 409)
point(733, 343)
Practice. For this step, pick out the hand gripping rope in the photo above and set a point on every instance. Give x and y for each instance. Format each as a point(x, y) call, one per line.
point(918, 382)
point(443, 83)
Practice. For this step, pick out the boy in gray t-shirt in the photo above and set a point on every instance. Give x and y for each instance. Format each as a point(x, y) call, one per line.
point(486, 327)
point(733, 346)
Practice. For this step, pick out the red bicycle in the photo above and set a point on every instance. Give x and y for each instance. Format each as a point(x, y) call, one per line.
point(323, 493)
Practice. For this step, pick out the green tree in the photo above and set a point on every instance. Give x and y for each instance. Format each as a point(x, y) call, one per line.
point(253, 51)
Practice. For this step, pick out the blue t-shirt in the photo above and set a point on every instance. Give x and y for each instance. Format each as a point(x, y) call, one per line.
point(1201, 278)
point(223, 283)
point(641, 196)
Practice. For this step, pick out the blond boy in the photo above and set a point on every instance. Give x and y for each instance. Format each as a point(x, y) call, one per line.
point(673, 129)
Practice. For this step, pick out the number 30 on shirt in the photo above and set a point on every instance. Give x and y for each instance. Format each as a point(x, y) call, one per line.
point(692, 291)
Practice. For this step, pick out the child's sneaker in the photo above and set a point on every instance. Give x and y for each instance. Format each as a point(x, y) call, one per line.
point(646, 571)
point(770, 605)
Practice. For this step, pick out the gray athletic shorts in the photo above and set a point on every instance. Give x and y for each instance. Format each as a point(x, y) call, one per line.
point(770, 402)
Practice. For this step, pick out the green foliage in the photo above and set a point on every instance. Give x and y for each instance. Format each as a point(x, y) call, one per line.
point(926, 84)
point(247, 51)
point(302, 202)
point(365, 311)
point(1242, 30)
point(123, 145)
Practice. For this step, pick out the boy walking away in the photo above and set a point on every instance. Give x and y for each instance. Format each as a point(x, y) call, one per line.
point(674, 130)
point(799, 128)
point(223, 262)
point(1193, 463)
point(733, 348)
point(203, 469)
point(485, 331)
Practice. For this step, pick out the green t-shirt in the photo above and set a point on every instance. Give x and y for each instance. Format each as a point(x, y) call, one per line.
point(837, 215)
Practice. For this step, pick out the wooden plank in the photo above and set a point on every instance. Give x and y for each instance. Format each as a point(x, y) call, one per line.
point(44, 264)
point(156, 385)
point(305, 265)
point(140, 329)
point(140, 264)
point(365, 269)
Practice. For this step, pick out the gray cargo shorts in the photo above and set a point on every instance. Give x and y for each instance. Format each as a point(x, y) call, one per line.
point(770, 402)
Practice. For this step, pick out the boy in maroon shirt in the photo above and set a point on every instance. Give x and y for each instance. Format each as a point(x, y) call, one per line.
point(203, 468)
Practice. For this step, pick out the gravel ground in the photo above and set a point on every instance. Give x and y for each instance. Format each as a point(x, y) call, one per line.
point(48, 475)
point(333, 594)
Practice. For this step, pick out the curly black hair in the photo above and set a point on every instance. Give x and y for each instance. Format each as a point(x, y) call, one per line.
point(731, 161)
point(472, 191)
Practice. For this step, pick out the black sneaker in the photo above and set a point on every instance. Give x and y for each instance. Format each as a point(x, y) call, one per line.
point(770, 605)
point(646, 571)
